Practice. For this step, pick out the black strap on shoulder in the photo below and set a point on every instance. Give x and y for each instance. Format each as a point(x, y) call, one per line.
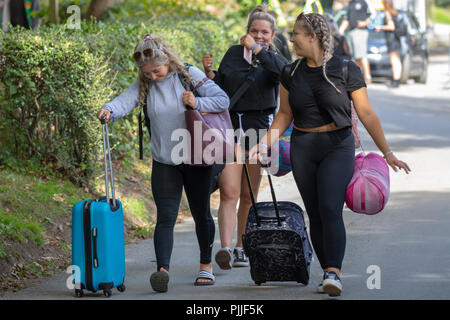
point(141, 131)
point(345, 73)
point(243, 88)
point(345, 69)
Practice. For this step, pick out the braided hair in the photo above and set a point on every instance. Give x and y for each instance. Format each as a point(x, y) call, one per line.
point(316, 23)
point(152, 49)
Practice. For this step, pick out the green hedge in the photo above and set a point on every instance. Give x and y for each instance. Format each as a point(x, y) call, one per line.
point(53, 80)
point(50, 86)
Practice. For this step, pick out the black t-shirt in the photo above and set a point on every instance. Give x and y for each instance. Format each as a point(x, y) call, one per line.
point(357, 10)
point(262, 93)
point(313, 101)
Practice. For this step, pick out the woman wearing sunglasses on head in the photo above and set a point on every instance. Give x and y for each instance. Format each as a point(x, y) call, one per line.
point(315, 95)
point(159, 89)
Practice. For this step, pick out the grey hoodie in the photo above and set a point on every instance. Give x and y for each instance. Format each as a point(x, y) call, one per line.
point(166, 109)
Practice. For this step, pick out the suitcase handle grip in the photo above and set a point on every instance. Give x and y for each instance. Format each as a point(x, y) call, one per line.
point(94, 240)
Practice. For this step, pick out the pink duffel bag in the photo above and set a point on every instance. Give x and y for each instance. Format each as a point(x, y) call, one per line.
point(368, 190)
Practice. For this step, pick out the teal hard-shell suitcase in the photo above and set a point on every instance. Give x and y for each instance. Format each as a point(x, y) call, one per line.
point(98, 240)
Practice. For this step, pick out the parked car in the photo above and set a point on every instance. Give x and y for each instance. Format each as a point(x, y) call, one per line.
point(414, 49)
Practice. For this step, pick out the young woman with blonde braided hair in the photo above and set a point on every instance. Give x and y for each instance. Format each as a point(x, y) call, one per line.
point(315, 95)
point(159, 89)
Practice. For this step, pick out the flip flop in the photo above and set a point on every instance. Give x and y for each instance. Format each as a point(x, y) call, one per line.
point(159, 281)
point(203, 274)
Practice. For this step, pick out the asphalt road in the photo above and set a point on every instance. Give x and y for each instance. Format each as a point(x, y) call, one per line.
point(401, 253)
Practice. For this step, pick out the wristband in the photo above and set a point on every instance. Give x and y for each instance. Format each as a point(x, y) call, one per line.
point(389, 152)
point(264, 145)
point(254, 46)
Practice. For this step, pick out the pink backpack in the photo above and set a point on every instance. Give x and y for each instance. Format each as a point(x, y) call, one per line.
point(368, 190)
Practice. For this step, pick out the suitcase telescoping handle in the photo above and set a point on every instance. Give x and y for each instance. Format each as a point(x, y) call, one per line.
point(107, 152)
point(252, 197)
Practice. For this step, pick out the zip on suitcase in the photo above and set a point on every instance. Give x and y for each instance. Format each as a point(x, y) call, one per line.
point(277, 246)
point(98, 241)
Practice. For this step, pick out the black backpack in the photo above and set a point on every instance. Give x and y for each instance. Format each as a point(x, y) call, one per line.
point(401, 27)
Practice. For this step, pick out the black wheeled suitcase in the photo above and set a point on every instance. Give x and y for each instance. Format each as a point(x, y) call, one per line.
point(276, 240)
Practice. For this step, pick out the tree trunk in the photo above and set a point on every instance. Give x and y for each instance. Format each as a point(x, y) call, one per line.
point(54, 15)
point(98, 7)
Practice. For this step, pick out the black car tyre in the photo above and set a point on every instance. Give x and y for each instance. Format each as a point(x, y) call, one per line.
point(424, 74)
point(406, 66)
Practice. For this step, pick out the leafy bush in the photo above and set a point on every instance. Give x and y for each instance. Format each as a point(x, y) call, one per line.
point(51, 85)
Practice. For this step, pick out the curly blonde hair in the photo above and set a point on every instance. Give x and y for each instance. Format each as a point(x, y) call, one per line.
point(152, 49)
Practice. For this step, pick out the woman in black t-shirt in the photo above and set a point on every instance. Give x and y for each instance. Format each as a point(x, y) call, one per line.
point(315, 95)
point(252, 112)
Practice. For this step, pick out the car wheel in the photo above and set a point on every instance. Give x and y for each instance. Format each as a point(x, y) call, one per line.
point(424, 74)
point(406, 66)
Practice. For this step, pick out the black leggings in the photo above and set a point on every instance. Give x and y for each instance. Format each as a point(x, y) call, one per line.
point(167, 186)
point(322, 165)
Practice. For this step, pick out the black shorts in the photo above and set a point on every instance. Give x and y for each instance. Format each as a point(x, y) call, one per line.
point(393, 43)
point(257, 120)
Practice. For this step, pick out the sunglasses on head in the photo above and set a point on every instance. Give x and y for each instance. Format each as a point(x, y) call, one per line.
point(147, 53)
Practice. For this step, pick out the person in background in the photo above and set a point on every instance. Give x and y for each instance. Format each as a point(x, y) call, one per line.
point(357, 18)
point(393, 42)
point(19, 13)
point(340, 44)
point(280, 42)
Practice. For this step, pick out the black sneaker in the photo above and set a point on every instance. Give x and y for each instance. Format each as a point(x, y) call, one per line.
point(394, 84)
point(159, 281)
point(240, 259)
point(332, 284)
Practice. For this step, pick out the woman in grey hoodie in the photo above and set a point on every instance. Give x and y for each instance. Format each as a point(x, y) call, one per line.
point(159, 90)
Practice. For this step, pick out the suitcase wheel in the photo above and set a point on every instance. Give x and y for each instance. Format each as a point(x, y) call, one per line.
point(121, 288)
point(79, 293)
point(107, 293)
